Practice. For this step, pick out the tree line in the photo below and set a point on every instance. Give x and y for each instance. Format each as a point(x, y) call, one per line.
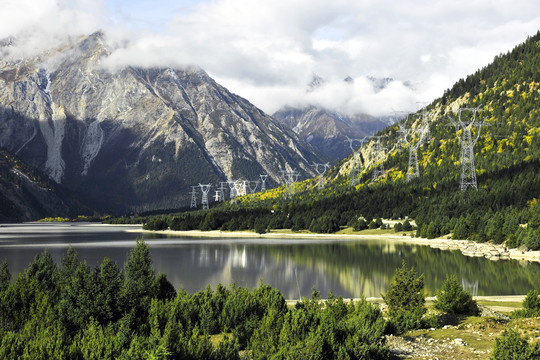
point(73, 311)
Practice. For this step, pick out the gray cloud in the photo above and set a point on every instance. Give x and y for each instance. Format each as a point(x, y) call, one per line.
point(268, 50)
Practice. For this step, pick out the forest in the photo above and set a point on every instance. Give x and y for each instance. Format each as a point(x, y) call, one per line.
point(74, 311)
point(504, 208)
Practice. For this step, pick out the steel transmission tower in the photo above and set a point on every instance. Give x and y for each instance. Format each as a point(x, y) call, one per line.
point(412, 169)
point(424, 124)
point(253, 188)
point(401, 129)
point(357, 160)
point(221, 190)
point(205, 189)
point(239, 188)
point(232, 190)
point(193, 194)
point(263, 182)
point(291, 177)
point(244, 187)
point(467, 142)
point(379, 165)
point(321, 173)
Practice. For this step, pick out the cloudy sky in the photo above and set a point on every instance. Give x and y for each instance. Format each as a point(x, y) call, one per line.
point(269, 50)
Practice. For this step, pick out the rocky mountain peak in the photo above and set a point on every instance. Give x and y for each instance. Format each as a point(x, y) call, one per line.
point(136, 138)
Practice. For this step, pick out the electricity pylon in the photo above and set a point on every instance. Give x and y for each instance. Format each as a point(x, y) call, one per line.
point(205, 188)
point(412, 169)
point(244, 188)
point(402, 131)
point(321, 173)
point(193, 194)
point(232, 191)
point(263, 182)
point(356, 160)
point(253, 188)
point(221, 190)
point(240, 187)
point(379, 165)
point(290, 177)
point(467, 142)
point(424, 123)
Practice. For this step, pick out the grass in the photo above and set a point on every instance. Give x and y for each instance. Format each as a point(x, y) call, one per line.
point(350, 231)
point(216, 339)
point(508, 304)
point(479, 334)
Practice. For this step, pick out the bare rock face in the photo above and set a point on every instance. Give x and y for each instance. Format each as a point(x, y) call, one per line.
point(133, 138)
point(326, 130)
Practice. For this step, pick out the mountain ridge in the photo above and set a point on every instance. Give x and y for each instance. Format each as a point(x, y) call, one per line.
point(328, 130)
point(504, 206)
point(133, 138)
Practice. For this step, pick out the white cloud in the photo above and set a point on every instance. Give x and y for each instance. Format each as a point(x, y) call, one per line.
point(47, 23)
point(268, 50)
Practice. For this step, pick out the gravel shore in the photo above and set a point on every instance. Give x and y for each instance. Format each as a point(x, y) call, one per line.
point(468, 248)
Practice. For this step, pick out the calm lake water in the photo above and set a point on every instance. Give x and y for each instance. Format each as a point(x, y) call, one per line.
point(349, 268)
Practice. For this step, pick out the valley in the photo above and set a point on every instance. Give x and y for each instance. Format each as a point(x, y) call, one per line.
point(80, 139)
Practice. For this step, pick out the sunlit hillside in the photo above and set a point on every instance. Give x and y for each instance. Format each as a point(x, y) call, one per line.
point(502, 206)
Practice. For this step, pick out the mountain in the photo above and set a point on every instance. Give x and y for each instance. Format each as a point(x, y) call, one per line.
point(28, 194)
point(504, 207)
point(327, 130)
point(507, 96)
point(135, 138)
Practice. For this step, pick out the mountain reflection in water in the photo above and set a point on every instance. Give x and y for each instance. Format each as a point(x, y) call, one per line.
point(295, 267)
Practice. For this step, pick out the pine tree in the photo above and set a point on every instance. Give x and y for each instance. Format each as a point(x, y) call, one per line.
point(139, 283)
point(5, 275)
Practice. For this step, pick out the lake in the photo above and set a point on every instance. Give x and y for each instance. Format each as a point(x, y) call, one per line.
point(350, 268)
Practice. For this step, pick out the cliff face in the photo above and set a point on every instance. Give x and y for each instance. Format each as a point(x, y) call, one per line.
point(326, 130)
point(133, 138)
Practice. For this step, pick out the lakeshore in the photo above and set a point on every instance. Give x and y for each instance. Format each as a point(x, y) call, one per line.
point(348, 263)
point(493, 252)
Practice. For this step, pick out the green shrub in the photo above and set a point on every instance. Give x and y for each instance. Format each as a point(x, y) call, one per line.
point(358, 224)
point(361, 225)
point(531, 306)
point(407, 226)
point(512, 346)
point(260, 226)
point(452, 298)
point(532, 301)
point(405, 299)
